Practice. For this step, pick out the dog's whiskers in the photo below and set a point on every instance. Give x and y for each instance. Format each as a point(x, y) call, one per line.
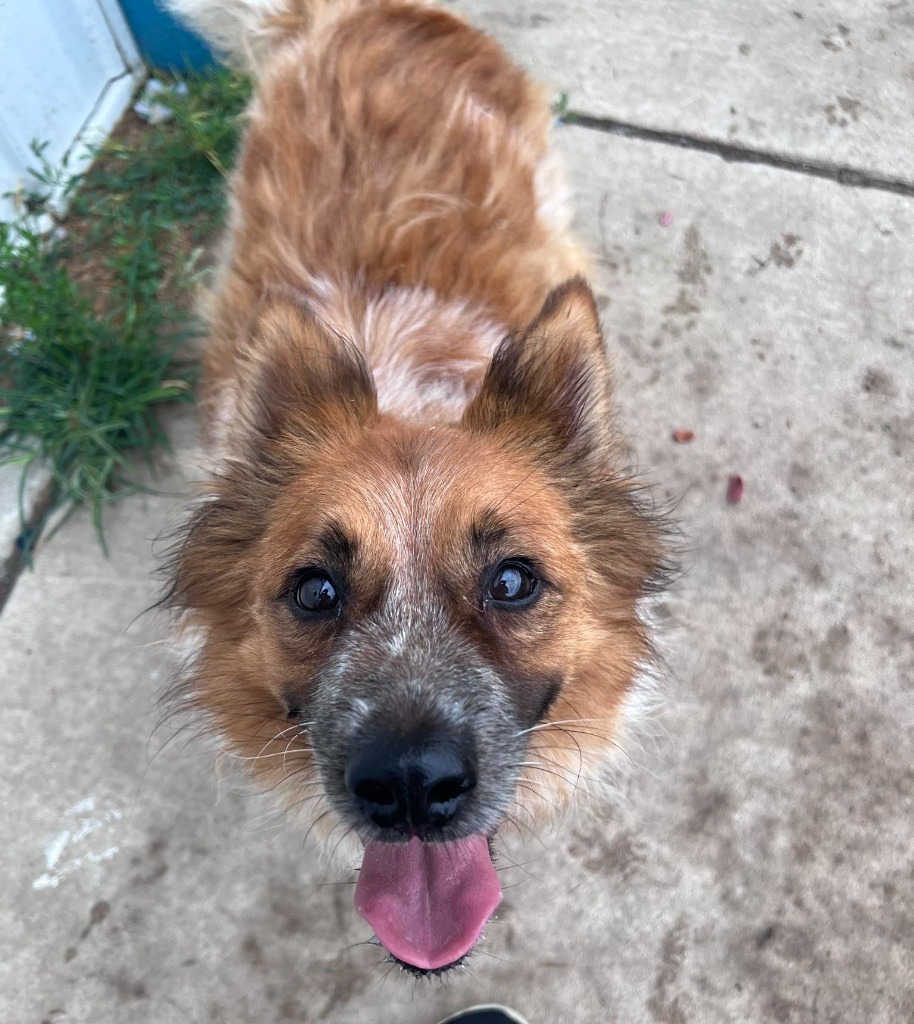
point(543, 726)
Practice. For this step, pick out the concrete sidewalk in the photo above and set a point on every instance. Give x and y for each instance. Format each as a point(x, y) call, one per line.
point(762, 865)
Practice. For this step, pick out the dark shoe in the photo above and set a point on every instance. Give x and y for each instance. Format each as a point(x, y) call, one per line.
point(485, 1015)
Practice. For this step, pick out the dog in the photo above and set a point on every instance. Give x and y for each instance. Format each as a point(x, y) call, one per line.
point(421, 562)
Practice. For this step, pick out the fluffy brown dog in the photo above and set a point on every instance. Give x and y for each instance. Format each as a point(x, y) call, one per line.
point(419, 569)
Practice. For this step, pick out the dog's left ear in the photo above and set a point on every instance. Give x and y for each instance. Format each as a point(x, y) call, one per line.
point(301, 380)
point(551, 385)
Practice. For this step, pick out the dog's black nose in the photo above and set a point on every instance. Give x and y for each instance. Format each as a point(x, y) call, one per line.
point(410, 783)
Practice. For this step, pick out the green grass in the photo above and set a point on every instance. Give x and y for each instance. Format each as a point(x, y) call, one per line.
point(93, 326)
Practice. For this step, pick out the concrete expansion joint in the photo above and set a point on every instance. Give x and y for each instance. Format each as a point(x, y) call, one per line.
point(733, 153)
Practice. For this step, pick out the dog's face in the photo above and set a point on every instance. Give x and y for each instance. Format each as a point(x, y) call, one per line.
point(395, 613)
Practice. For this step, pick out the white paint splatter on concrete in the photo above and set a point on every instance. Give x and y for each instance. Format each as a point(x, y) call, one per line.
point(62, 856)
point(55, 848)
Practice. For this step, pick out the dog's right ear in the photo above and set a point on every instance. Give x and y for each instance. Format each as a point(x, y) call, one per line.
point(550, 386)
point(300, 381)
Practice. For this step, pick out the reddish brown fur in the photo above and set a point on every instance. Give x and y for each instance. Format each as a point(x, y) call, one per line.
point(359, 161)
point(390, 145)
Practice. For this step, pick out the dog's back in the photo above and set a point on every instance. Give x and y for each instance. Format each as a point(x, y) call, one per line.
point(393, 151)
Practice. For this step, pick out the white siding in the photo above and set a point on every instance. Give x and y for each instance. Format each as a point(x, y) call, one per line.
point(68, 69)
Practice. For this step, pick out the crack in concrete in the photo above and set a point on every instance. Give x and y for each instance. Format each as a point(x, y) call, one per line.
point(15, 558)
point(742, 154)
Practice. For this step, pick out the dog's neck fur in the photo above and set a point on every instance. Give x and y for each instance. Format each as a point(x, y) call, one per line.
point(427, 356)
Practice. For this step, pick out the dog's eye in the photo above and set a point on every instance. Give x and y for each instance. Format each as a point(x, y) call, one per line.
point(316, 592)
point(512, 582)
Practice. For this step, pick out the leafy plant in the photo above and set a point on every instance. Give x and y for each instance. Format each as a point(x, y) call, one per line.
point(93, 319)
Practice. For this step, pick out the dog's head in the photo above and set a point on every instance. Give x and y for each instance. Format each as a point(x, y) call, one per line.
point(419, 631)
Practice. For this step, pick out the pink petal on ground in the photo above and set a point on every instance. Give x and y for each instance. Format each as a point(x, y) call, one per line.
point(665, 219)
point(734, 489)
point(683, 436)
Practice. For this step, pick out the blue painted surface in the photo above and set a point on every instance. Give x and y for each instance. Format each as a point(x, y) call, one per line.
point(164, 42)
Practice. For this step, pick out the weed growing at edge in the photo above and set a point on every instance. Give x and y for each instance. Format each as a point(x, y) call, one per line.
point(93, 325)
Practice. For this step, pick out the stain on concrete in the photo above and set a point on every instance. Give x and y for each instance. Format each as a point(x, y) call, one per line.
point(695, 266)
point(703, 375)
point(787, 252)
point(711, 806)
point(833, 650)
point(252, 951)
point(898, 641)
point(900, 432)
point(779, 650)
point(838, 40)
point(878, 382)
point(844, 111)
point(128, 989)
point(664, 1003)
point(801, 481)
point(154, 863)
point(693, 271)
point(842, 776)
point(619, 854)
point(900, 15)
point(784, 253)
point(287, 913)
point(97, 914)
point(682, 306)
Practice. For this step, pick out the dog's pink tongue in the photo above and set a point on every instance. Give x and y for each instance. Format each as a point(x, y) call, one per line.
point(428, 902)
